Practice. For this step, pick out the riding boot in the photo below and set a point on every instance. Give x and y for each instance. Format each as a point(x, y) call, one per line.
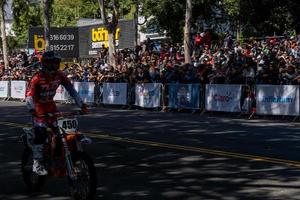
point(37, 154)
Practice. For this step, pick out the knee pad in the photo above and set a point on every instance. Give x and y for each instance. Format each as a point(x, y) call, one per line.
point(40, 134)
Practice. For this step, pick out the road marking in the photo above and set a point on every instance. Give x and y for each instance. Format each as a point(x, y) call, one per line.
point(102, 135)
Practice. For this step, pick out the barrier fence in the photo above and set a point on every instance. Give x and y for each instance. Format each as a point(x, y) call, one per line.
point(267, 99)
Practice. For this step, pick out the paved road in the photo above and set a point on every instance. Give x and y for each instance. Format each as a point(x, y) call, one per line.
point(168, 156)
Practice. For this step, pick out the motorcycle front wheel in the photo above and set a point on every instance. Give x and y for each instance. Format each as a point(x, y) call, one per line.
point(83, 185)
point(33, 181)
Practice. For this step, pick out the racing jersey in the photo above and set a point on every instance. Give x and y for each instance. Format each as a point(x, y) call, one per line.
point(42, 89)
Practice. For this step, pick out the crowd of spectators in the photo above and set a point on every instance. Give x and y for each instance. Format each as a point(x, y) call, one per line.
point(273, 60)
point(21, 67)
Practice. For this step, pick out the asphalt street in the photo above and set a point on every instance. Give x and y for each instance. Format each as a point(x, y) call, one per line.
point(142, 154)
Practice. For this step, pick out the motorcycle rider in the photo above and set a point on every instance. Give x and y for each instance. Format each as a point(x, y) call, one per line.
point(39, 100)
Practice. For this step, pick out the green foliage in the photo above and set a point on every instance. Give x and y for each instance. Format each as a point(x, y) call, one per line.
point(166, 15)
point(268, 16)
point(67, 12)
point(128, 8)
point(232, 7)
point(257, 17)
point(25, 15)
point(169, 15)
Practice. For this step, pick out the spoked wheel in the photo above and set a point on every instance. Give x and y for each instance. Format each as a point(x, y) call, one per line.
point(33, 181)
point(83, 185)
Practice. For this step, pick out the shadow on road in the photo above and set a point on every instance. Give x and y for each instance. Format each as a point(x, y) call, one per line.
point(135, 172)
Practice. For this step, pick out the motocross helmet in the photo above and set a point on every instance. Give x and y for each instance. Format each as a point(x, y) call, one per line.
point(50, 61)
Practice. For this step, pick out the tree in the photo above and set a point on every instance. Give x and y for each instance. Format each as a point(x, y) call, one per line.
point(233, 9)
point(47, 8)
point(67, 12)
point(169, 15)
point(111, 26)
point(3, 34)
point(187, 32)
point(259, 18)
point(165, 15)
point(25, 14)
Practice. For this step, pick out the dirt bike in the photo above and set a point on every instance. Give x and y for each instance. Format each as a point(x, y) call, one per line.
point(63, 157)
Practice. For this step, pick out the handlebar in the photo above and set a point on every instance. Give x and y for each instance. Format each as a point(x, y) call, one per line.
point(59, 114)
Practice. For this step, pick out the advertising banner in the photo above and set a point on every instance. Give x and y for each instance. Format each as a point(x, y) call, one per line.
point(184, 96)
point(277, 100)
point(86, 91)
point(115, 93)
point(225, 98)
point(62, 40)
point(3, 89)
point(18, 89)
point(93, 37)
point(148, 95)
point(61, 94)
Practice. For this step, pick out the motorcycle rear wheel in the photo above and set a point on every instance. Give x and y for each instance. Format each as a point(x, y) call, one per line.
point(33, 181)
point(83, 187)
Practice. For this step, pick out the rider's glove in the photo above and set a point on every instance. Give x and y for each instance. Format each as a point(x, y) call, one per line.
point(84, 109)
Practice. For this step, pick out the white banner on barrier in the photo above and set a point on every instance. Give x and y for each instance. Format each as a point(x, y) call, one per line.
point(18, 89)
point(61, 94)
point(277, 99)
point(148, 95)
point(226, 98)
point(86, 91)
point(115, 93)
point(3, 89)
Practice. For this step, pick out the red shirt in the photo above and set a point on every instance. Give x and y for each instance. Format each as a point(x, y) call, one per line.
point(42, 89)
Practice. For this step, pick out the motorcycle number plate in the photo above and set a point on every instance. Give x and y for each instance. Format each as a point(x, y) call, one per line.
point(68, 125)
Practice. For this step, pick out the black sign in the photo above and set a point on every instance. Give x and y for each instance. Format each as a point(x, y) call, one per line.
point(84, 41)
point(93, 37)
point(62, 40)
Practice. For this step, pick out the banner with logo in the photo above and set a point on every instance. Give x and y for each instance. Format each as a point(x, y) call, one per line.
point(225, 98)
point(94, 35)
point(86, 91)
point(148, 95)
point(18, 89)
point(63, 40)
point(277, 99)
point(184, 96)
point(61, 94)
point(3, 89)
point(115, 93)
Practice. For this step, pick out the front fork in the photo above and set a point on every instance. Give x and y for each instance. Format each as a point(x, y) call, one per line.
point(68, 155)
point(68, 158)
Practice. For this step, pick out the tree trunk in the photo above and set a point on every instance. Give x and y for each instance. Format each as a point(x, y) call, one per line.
point(47, 19)
point(112, 48)
point(4, 38)
point(187, 32)
point(111, 26)
point(136, 23)
point(238, 31)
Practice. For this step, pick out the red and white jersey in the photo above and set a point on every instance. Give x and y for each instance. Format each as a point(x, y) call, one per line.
point(42, 89)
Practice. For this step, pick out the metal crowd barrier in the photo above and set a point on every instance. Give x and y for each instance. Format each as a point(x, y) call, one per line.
point(241, 99)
